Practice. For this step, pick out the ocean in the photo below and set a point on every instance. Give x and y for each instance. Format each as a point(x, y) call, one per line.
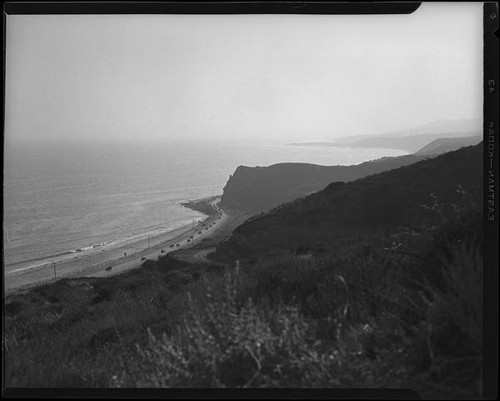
point(64, 197)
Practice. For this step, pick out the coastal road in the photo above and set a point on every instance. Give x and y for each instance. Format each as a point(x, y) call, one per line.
point(186, 240)
point(120, 265)
point(203, 230)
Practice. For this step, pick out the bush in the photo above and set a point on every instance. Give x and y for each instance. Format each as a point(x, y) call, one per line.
point(14, 308)
point(215, 269)
point(103, 294)
point(453, 317)
point(362, 314)
point(224, 343)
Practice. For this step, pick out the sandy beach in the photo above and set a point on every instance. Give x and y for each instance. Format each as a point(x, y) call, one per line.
point(129, 254)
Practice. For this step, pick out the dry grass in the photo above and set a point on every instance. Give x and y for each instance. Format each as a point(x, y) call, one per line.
point(363, 314)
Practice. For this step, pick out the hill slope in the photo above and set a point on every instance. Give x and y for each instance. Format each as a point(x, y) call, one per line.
point(408, 139)
point(409, 143)
point(443, 145)
point(257, 189)
point(421, 193)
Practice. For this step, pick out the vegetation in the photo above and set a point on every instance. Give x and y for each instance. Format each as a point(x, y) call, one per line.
point(371, 314)
point(257, 189)
point(443, 145)
point(396, 308)
point(377, 203)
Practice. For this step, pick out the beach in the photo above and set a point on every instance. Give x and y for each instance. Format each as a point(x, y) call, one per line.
point(130, 254)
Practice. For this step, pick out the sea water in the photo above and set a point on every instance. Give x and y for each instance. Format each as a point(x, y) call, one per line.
point(62, 198)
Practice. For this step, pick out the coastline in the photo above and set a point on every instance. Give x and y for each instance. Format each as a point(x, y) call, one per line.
point(99, 258)
point(202, 205)
point(94, 250)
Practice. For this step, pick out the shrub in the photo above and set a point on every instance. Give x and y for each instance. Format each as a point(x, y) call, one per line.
point(223, 343)
point(103, 294)
point(13, 308)
point(215, 269)
point(453, 318)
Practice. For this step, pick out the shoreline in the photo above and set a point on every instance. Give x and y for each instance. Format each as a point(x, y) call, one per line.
point(85, 252)
point(199, 205)
point(100, 258)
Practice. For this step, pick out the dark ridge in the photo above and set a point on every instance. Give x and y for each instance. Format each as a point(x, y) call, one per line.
point(424, 193)
point(258, 189)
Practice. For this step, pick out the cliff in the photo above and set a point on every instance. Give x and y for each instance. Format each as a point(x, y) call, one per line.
point(257, 189)
point(423, 193)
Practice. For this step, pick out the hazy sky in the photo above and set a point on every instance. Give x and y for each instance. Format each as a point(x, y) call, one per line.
point(290, 77)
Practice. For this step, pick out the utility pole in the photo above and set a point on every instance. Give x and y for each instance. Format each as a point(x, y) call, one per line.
point(54, 264)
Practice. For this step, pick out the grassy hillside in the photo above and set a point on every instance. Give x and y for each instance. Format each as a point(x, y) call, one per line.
point(393, 299)
point(398, 311)
point(414, 196)
point(257, 189)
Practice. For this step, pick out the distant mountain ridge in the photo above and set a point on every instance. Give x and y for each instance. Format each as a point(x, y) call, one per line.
point(410, 139)
point(257, 189)
point(409, 143)
point(443, 145)
point(410, 195)
point(458, 128)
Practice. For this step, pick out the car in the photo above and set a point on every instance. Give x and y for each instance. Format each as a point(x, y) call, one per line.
point(188, 240)
point(109, 268)
point(171, 246)
point(177, 244)
point(143, 258)
point(163, 250)
point(199, 232)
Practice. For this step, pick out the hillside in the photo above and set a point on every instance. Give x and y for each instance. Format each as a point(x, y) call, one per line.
point(257, 189)
point(401, 310)
point(410, 139)
point(409, 143)
point(414, 195)
point(443, 145)
point(354, 317)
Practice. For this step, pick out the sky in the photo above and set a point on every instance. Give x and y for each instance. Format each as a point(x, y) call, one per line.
point(259, 77)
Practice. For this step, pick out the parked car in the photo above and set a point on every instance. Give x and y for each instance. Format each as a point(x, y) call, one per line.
point(143, 258)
